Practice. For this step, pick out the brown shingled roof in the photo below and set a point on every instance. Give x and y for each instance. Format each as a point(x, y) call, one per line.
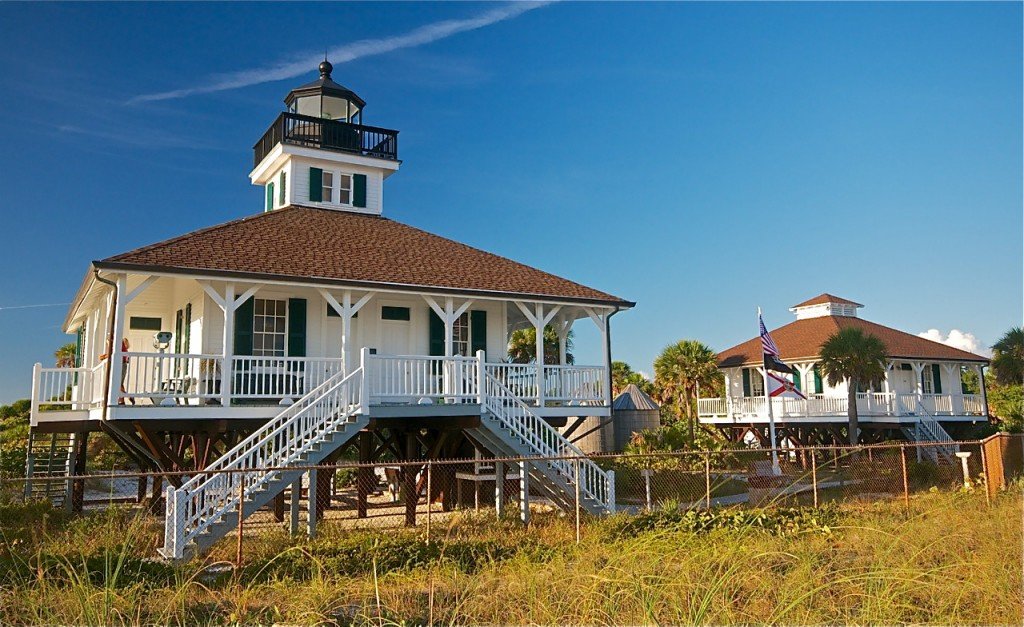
point(349, 248)
point(802, 339)
point(821, 299)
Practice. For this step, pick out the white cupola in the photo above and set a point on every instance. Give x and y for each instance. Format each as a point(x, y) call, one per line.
point(319, 153)
point(825, 305)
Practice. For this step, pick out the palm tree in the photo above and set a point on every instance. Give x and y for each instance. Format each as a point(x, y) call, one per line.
point(522, 346)
point(65, 355)
point(852, 356)
point(623, 375)
point(680, 370)
point(1008, 357)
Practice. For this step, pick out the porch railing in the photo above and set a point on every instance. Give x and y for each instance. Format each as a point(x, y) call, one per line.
point(868, 404)
point(574, 383)
point(280, 377)
point(187, 379)
point(170, 378)
point(412, 378)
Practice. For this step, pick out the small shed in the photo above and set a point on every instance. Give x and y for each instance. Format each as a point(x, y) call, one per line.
point(633, 411)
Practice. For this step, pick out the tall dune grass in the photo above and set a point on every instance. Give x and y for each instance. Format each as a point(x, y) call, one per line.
point(952, 560)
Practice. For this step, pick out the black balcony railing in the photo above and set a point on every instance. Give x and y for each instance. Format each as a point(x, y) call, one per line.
point(303, 130)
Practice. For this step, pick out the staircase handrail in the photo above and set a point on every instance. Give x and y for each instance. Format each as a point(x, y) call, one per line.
point(210, 492)
point(935, 430)
point(595, 483)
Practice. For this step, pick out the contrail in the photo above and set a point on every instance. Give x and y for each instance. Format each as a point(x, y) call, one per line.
point(367, 47)
point(33, 306)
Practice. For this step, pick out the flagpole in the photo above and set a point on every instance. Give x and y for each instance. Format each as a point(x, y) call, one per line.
point(768, 401)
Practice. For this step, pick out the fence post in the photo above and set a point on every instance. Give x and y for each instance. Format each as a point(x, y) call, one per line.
point(984, 472)
point(707, 480)
point(577, 481)
point(524, 493)
point(311, 505)
point(647, 486)
point(814, 476)
point(241, 521)
point(906, 484)
point(499, 488)
point(429, 496)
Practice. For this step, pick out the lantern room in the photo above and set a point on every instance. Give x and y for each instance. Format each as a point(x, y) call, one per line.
point(326, 99)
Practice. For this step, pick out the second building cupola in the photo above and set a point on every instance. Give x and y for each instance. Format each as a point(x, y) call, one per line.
point(319, 153)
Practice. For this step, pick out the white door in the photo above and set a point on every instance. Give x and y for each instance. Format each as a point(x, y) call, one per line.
point(394, 337)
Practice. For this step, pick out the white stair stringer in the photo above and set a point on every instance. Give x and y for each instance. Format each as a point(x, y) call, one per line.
point(205, 508)
point(509, 427)
point(929, 430)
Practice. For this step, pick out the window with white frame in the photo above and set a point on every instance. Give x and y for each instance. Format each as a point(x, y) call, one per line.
point(460, 335)
point(269, 327)
point(345, 189)
point(756, 383)
point(927, 382)
point(327, 180)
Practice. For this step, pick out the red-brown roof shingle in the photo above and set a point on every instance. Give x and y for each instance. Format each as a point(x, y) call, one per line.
point(348, 248)
point(802, 339)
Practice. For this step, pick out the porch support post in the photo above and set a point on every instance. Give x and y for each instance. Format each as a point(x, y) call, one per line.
point(347, 310)
point(602, 320)
point(448, 315)
point(956, 393)
point(890, 388)
point(728, 392)
point(115, 360)
point(539, 319)
point(228, 304)
point(981, 385)
point(918, 367)
point(803, 370)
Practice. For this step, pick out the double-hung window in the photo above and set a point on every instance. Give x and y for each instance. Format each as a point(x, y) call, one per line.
point(328, 185)
point(345, 189)
point(460, 335)
point(269, 327)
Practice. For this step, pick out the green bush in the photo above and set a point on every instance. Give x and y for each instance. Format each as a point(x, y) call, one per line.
point(779, 521)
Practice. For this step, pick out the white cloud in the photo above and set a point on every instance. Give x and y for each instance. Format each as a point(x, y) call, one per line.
point(425, 34)
point(957, 339)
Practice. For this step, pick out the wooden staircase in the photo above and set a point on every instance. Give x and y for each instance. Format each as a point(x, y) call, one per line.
point(49, 463)
point(509, 428)
point(205, 508)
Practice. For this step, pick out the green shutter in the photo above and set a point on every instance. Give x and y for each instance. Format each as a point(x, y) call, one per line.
point(477, 331)
point(797, 383)
point(296, 327)
point(178, 329)
point(316, 185)
point(243, 328)
point(79, 342)
point(270, 196)
point(436, 335)
point(818, 387)
point(936, 379)
point(186, 342)
point(284, 188)
point(359, 190)
point(746, 382)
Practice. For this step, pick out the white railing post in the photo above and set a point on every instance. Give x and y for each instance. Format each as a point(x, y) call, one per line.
point(364, 382)
point(37, 373)
point(480, 368)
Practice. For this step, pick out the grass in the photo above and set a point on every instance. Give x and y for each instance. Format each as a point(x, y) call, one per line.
point(952, 560)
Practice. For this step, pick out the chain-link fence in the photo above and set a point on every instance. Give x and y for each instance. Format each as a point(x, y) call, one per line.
point(441, 493)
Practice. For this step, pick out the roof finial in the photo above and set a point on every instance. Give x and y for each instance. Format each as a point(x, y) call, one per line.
point(325, 67)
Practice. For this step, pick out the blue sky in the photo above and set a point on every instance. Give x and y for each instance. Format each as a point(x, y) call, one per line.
point(700, 159)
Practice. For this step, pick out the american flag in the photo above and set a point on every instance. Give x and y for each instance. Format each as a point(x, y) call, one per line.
point(767, 345)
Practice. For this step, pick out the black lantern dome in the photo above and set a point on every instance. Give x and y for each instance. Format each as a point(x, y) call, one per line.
point(323, 98)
